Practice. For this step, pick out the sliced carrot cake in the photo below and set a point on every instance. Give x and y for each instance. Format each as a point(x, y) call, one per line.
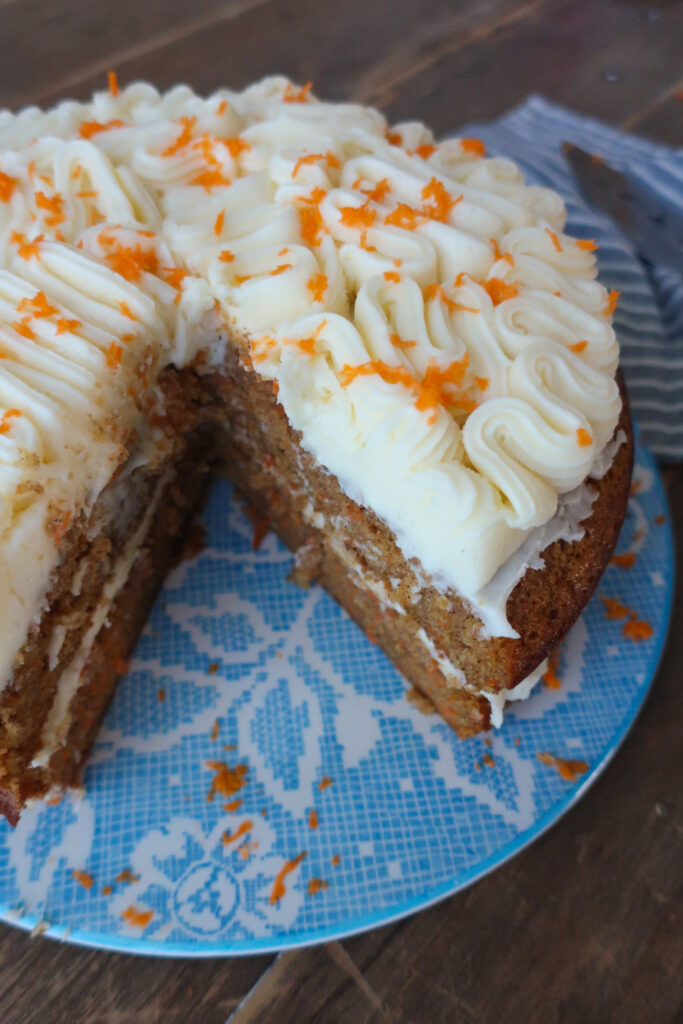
point(389, 345)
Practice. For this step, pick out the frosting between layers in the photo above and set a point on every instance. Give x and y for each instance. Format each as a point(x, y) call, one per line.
point(443, 348)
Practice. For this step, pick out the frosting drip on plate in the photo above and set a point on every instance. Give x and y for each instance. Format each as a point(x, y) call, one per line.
point(444, 349)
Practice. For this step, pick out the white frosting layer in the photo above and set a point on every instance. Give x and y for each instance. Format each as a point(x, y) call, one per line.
point(442, 347)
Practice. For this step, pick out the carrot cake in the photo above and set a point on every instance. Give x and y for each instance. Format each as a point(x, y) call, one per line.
point(389, 344)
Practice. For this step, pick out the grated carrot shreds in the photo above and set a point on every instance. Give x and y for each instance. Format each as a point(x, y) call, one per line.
point(83, 878)
point(588, 244)
point(550, 676)
point(637, 630)
point(210, 179)
point(5, 424)
point(227, 780)
point(579, 347)
point(425, 150)
point(174, 276)
point(233, 805)
point(405, 217)
point(293, 95)
point(317, 285)
point(26, 250)
point(379, 192)
point(313, 818)
point(615, 609)
point(126, 877)
point(7, 187)
point(64, 325)
point(218, 224)
point(90, 128)
point(324, 783)
point(184, 138)
point(499, 290)
point(554, 239)
point(113, 356)
point(137, 918)
point(53, 208)
point(583, 438)
point(245, 827)
point(612, 300)
point(336, 860)
point(236, 146)
point(316, 885)
point(126, 310)
point(310, 218)
point(113, 83)
point(358, 216)
point(398, 342)
point(569, 770)
point(279, 890)
point(280, 270)
point(482, 383)
point(22, 327)
point(625, 561)
point(442, 202)
point(215, 729)
point(473, 147)
point(392, 276)
point(364, 244)
point(226, 256)
point(394, 138)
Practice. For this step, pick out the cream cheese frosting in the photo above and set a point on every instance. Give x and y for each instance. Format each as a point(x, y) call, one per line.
point(442, 346)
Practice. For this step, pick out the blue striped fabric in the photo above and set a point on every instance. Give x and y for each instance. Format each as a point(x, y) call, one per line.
point(649, 316)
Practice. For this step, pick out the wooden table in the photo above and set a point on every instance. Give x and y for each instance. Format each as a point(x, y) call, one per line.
point(587, 925)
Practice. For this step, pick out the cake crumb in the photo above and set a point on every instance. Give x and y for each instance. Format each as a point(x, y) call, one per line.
point(336, 860)
point(195, 542)
point(316, 885)
point(307, 564)
point(161, 695)
point(227, 781)
point(419, 701)
point(107, 890)
point(213, 668)
point(489, 760)
point(86, 880)
point(215, 729)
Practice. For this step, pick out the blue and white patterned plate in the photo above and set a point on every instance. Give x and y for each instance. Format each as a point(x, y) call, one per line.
point(254, 672)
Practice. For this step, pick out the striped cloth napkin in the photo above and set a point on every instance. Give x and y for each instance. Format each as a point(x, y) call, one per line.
point(649, 315)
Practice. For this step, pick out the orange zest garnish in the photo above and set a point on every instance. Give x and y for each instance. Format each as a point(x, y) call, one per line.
point(357, 216)
point(113, 83)
point(293, 95)
point(5, 424)
point(612, 300)
point(7, 187)
point(137, 918)
point(587, 243)
point(583, 438)
point(184, 138)
point(499, 290)
point(278, 890)
point(473, 147)
point(90, 128)
point(569, 770)
point(404, 216)
point(554, 239)
point(83, 878)
point(442, 201)
point(579, 346)
point(317, 285)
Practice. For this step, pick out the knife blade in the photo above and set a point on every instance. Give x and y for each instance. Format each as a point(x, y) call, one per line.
point(653, 225)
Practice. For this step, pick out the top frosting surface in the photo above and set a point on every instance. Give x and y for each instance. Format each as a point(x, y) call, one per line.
point(443, 347)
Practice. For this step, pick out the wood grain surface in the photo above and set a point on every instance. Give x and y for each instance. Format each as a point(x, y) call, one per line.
point(587, 924)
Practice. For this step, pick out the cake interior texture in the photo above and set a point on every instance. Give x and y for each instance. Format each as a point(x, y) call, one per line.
point(303, 311)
